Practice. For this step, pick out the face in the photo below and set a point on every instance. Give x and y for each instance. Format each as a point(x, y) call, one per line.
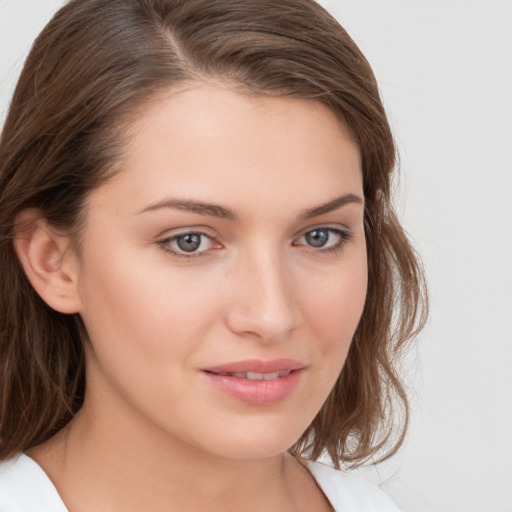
point(223, 270)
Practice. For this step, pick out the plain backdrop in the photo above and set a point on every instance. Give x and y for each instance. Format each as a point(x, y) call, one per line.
point(445, 70)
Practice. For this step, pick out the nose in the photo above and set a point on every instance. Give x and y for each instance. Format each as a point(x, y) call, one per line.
point(263, 303)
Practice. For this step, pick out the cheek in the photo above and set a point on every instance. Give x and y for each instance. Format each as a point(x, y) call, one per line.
point(135, 311)
point(334, 307)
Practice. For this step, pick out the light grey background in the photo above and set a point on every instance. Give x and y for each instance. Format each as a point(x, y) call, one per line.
point(445, 70)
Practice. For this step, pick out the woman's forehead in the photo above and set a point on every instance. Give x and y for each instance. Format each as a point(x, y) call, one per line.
point(211, 140)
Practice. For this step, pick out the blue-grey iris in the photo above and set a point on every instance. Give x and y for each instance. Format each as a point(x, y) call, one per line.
point(189, 243)
point(317, 238)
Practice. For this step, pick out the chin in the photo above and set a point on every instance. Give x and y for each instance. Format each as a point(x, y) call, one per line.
point(259, 440)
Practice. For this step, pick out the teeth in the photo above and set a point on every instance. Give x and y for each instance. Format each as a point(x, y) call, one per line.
point(258, 376)
point(262, 376)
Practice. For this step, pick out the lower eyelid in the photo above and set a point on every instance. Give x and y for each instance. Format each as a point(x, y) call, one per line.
point(344, 235)
point(165, 244)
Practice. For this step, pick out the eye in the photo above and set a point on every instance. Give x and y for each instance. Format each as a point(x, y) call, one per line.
point(325, 239)
point(190, 244)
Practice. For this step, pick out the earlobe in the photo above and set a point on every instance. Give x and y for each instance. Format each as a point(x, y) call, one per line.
point(48, 260)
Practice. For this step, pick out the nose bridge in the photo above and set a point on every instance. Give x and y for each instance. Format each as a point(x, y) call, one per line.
point(265, 305)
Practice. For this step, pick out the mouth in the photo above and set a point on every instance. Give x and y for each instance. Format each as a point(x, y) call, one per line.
point(256, 375)
point(257, 382)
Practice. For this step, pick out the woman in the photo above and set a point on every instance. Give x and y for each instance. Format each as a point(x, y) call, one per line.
point(204, 286)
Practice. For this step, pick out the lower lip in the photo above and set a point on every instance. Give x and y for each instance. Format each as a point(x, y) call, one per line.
point(257, 392)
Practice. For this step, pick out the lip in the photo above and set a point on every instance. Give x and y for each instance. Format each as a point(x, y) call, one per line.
point(257, 366)
point(256, 392)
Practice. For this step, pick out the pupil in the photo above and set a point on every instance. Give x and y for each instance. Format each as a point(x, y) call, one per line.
point(317, 238)
point(189, 243)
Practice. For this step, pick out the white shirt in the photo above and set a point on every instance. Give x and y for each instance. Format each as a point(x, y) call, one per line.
point(25, 487)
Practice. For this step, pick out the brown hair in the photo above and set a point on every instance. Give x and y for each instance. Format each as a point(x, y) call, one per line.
point(97, 61)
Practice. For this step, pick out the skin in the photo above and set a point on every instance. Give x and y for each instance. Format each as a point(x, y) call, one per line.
point(152, 422)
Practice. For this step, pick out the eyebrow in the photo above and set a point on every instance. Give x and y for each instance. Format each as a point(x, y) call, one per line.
point(212, 210)
point(215, 210)
point(335, 204)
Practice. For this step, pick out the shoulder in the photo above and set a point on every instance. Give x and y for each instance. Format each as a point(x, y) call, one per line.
point(349, 493)
point(25, 487)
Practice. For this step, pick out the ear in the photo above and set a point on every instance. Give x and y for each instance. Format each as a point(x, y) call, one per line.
point(48, 260)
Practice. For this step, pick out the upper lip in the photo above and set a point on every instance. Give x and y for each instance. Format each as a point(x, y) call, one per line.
point(257, 366)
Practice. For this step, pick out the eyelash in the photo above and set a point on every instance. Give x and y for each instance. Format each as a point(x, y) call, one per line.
point(344, 235)
point(165, 245)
